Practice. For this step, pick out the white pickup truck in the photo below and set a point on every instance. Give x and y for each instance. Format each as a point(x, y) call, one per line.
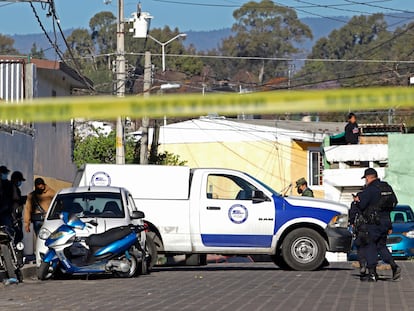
point(222, 211)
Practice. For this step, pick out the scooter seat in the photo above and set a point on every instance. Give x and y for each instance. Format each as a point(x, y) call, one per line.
point(112, 235)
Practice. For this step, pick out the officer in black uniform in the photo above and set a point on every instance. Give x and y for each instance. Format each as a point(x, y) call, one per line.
point(374, 232)
point(355, 221)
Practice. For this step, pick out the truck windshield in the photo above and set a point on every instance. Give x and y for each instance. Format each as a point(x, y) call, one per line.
point(263, 184)
point(101, 205)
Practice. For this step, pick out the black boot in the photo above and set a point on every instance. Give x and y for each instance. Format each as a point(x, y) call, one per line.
point(372, 274)
point(396, 272)
point(362, 268)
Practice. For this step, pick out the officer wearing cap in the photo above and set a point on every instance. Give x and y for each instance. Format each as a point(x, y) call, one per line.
point(303, 189)
point(373, 233)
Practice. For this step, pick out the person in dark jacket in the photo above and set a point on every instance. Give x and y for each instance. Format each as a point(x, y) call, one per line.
point(373, 234)
point(352, 130)
point(18, 201)
point(6, 194)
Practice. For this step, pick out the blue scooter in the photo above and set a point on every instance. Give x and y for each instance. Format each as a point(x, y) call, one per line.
point(116, 251)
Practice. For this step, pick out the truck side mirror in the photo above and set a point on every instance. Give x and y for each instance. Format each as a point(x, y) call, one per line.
point(259, 197)
point(137, 215)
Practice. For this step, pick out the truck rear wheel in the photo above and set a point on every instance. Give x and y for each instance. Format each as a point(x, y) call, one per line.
point(304, 249)
point(152, 249)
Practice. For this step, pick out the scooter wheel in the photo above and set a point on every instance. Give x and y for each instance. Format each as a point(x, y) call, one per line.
point(133, 270)
point(45, 271)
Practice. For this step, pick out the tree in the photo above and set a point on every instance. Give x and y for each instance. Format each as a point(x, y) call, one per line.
point(35, 53)
point(183, 64)
point(264, 30)
point(100, 148)
point(95, 50)
point(103, 31)
point(6, 45)
point(364, 37)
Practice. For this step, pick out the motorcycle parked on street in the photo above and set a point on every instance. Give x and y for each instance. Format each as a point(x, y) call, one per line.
point(11, 255)
point(117, 251)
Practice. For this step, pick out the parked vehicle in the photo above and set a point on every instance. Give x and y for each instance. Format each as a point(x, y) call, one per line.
point(108, 207)
point(11, 255)
point(116, 251)
point(221, 211)
point(401, 241)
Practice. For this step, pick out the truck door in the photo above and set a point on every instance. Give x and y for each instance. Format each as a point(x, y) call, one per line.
point(230, 217)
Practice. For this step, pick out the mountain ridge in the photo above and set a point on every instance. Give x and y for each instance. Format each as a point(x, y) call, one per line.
point(201, 40)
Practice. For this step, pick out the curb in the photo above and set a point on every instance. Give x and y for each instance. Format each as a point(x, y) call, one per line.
point(29, 271)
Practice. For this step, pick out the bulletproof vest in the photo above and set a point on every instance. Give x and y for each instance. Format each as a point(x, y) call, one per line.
point(388, 199)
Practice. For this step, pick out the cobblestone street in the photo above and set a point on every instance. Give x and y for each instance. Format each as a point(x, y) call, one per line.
point(250, 286)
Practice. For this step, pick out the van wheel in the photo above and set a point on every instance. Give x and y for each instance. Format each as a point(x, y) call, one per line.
point(304, 249)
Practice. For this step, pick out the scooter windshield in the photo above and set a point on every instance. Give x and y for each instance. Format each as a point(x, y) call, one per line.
point(72, 220)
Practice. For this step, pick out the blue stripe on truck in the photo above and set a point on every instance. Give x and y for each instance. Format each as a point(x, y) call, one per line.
point(239, 240)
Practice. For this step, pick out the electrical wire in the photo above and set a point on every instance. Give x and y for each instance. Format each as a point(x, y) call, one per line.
point(68, 48)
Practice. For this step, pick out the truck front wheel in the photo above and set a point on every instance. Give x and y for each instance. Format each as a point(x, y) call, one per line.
point(304, 249)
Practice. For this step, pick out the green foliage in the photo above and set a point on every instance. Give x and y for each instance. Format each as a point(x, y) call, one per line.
point(100, 148)
point(183, 64)
point(35, 53)
point(263, 29)
point(6, 46)
point(95, 49)
point(363, 38)
point(167, 158)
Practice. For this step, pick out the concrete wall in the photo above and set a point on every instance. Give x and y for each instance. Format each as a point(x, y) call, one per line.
point(400, 171)
point(17, 154)
point(53, 151)
point(53, 140)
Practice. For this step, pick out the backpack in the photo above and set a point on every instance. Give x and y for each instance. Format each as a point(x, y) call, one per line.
point(388, 198)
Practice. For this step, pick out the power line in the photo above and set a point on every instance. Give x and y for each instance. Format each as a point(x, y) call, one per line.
point(69, 49)
point(379, 6)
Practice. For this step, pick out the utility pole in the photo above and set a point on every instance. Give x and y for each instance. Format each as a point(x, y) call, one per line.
point(120, 81)
point(145, 121)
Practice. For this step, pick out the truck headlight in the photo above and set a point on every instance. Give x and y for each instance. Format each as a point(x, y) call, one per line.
point(44, 234)
point(339, 221)
point(409, 234)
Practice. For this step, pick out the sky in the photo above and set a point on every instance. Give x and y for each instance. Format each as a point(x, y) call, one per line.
point(18, 18)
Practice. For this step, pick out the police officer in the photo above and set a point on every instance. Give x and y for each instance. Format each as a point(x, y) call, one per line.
point(355, 221)
point(352, 130)
point(303, 189)
point(377, 226)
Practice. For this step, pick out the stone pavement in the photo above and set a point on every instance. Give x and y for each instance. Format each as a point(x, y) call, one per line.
point(247, 286)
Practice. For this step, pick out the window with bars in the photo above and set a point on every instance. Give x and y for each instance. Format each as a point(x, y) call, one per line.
point(315, 168)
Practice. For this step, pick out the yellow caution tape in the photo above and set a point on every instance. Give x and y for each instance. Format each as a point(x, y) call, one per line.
point(179, 105)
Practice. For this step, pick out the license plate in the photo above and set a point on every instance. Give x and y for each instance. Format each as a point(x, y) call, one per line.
point(390, 249)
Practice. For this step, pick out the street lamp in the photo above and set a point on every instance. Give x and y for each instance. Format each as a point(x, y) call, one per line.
point(163, 44)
